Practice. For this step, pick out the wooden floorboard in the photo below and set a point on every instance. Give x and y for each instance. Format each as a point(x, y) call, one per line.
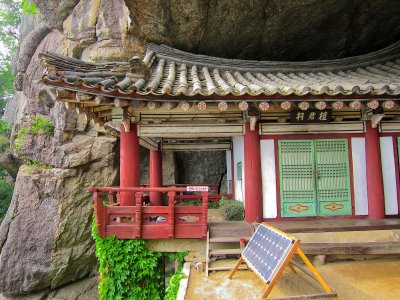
point(336, 225)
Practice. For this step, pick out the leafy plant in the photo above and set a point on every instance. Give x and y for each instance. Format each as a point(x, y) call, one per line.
point(6, 191)
point(5, 127)
point(232, 210)
point(42, 125)
point(128, 270)
point(173, 286)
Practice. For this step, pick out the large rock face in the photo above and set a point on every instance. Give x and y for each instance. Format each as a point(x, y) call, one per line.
point(45, 239)
point(268, 30)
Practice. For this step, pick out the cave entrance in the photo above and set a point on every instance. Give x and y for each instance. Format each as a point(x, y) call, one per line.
point(202, 162)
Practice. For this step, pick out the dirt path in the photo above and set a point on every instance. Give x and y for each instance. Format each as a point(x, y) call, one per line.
point(373, 279)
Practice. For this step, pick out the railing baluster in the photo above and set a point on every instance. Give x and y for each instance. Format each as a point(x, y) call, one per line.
point(100, 212)
point(111, 200)
point(204, 214)
point(171, 214)
point(138, 196)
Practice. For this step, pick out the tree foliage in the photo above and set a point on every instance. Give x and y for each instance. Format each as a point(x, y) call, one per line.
point(10, 20)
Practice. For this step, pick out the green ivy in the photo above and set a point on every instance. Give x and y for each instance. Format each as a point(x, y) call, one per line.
point(40, 125)
point(128, 270)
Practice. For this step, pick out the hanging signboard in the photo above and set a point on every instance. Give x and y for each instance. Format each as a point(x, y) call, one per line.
point(310, 116)
point(191, 188)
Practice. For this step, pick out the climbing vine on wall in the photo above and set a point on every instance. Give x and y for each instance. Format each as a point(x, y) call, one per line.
point(128, 270)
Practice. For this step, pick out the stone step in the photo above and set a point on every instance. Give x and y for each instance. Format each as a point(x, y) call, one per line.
point(219, 252)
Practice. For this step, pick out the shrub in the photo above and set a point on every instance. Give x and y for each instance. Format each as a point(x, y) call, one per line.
point(211, 205)
point(231, 210)
point(42, 125)
point(6, 191)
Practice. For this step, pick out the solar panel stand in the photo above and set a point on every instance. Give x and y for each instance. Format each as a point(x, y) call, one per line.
point(287, 255)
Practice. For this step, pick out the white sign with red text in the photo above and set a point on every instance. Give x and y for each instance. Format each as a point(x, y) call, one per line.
point(197, 188)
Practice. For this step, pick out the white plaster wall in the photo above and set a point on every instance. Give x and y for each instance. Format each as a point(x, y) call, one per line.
point(268, 173)
point(228, 169)
point(238, 156)
point(359, 175)
point(389, 175)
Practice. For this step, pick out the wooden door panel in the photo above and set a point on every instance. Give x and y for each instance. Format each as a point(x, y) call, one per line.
point(332, 177)
point(297, 183)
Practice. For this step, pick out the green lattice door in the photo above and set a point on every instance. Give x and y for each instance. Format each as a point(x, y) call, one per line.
point(314, 178)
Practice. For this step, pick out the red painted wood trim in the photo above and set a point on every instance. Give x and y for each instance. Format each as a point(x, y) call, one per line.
point(129, 162)
point(138, 232)
point(204, 215)
point(278, 179)
point(252, 171)
point(171, 217)
point(135, 189)
point(100, 213)
point(376, 203)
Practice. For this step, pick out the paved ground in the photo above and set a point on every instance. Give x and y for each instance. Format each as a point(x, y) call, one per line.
point(371, 279)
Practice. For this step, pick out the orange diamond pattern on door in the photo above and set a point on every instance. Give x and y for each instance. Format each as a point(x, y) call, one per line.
point(314, 178)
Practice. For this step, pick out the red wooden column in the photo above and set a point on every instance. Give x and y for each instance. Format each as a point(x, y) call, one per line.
point(376, 203)
point(156, 175)
point(252, 173)
point(129, 163)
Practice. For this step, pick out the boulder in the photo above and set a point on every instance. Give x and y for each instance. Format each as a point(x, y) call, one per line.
point(45, 238)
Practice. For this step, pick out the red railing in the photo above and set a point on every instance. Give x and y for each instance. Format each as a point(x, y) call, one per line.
point(180, 197)
point(148, 222)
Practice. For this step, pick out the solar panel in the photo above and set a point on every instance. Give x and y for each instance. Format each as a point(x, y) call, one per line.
point(267, 251)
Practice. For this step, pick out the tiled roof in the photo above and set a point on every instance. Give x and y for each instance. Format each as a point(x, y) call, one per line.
point(168, 71)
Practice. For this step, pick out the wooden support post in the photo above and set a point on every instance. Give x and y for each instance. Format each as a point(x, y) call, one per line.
point(156, 176)
point(100, 213)
point(252, 173)
point(204, 196)
point(376, 203)
point(138, 196)
point(129, 163)
point(171, 214)
point(315, 272)
point(236, 267)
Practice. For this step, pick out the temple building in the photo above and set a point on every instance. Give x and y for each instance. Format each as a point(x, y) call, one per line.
point(314, 139)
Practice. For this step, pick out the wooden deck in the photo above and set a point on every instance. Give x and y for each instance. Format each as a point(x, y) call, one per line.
point(229, 234)
point(337, 225)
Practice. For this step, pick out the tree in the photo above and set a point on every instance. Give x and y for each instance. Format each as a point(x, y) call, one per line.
point(10, 20)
